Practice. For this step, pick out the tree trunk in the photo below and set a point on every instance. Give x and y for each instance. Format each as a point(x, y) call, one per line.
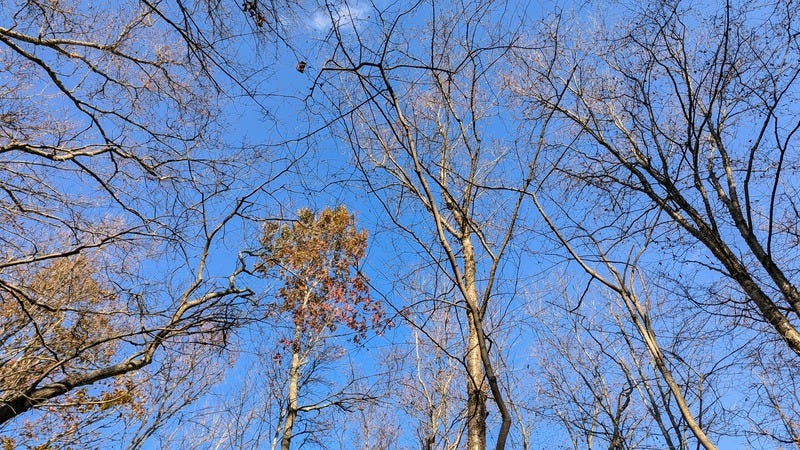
point(294, 381)
point(476, 392)
point(476, 385)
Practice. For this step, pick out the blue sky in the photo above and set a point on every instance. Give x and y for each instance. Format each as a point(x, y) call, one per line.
point(327, 175)
point(282, 130)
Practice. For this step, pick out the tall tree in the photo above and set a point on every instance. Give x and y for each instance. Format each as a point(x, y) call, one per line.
point(677, 125)
point(316, 260)
point(420, 118)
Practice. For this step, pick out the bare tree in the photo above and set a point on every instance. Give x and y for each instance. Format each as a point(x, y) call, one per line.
point(418, 118)
point(623, 279)
point(675, 135)
point(430, 392)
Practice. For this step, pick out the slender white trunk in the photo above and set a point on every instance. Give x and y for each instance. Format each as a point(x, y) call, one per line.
point(294, 381)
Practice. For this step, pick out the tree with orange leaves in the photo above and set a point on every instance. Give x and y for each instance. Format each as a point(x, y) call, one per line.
point(316, 258)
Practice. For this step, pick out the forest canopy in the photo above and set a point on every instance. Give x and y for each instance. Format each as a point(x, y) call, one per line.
point(437, 225)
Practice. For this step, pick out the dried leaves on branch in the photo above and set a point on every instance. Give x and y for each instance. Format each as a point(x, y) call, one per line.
point(316, 258)
point(316, 261)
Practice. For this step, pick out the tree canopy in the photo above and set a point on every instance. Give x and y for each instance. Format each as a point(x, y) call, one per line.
point(434, 225)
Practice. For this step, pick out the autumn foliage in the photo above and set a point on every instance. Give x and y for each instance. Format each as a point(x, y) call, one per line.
point(60, 320)
point(316, 260)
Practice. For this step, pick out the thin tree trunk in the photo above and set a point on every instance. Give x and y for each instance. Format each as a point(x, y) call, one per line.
point(294, 381)
point(639, 316)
